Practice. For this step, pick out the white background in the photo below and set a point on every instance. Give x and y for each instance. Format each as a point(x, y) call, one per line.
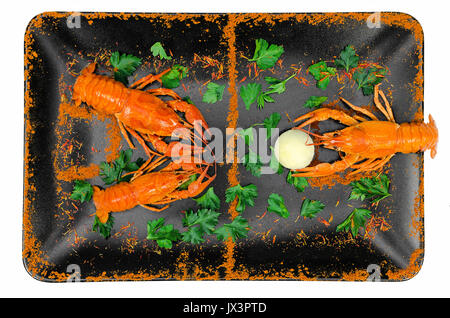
point(432, 280)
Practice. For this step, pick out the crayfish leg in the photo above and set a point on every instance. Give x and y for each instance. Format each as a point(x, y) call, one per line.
point(147, 80)
point(386, 110)
point(372, 165)
point(326, 169)
point(148, 166)
point(153, 208)
point(359, 109)
point(125, 134)
point(187, 163)
point(164, 92)
point(192, 114)
point(174, 149)
point(323, 114)
point(136, 135)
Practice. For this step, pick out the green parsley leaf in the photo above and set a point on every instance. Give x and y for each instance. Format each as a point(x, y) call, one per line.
point(272, 80)
point(271, 122)
point(245, 195)
point(124, 158)
point(112, 172)
point(209, 200)
point(185, 185)
point(315, 101)
point(132, 166)
point(322, 74)
point(199, 223)
point(164, 235)
point(193, 235)
point(274, 164)
point(375, 189)
point(276, 205)
point(104, 229)
point(214, 93)
point(356, 220)
point(280, 86)
point(204, 219)
point(252, 162)
point(82, 191)
point(109, 173)
point(300, 183)
point(347, 59)
point(266, 56)
point(263, 98)
point(172, 78)
point(250, 93)
point(368, 78)
point(238, 228)
point(310, 208)
point(247, 135)
point(157, 49)
point(124, 65)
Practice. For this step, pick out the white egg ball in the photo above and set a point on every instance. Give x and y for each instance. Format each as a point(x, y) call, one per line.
point(292, 151)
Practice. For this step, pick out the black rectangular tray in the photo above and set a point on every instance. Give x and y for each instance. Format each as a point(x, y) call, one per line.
point(58, 244)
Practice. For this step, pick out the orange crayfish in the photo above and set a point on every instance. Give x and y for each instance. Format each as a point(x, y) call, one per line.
point(140, 113)
point(368, 144)
point(148, 187)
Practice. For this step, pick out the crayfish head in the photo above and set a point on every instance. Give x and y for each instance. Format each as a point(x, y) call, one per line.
point(348, 140)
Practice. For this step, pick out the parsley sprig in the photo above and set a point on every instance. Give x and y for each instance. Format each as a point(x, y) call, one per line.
point(355, 221)
point(252, 162)
point(164, 235)
point(124, 66)
point(322, 74)
point(214, 93)
point(82, 191)
point(245, 195)
point(249, 93)
point(238, 228)
point(277, 86)
point(270, 123)
point(209, 200)
point(199, 224)
point(172, 78)
point(274, 164)
point(347, 58)
point(310, 208)
point(276, 205)
point(158, 50)
point(112, 172)
point(300, 183)
point(253, 91)
point(104, 229)
point(315, 101)
point(266, 55)
point(375, 189)
point(368, 78)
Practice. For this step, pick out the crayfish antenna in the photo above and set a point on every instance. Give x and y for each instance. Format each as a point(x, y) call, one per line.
point(309, 132)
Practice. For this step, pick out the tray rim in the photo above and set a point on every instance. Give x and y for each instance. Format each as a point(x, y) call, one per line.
point(408, 273)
